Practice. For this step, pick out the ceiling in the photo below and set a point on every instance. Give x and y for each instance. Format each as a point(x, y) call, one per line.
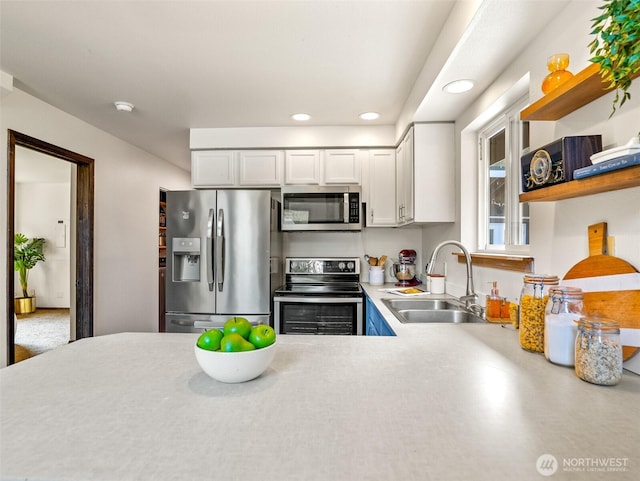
point(213, 63)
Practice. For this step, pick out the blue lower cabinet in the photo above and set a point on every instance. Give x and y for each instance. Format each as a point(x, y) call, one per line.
point(376, 325)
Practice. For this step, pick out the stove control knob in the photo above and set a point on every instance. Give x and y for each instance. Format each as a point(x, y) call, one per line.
point(350, 265)
point(341, 266)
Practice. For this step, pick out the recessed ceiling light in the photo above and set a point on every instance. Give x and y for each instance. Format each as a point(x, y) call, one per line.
point(301, 117)
point(369, 115)
point(123, 106)
point(458, 86)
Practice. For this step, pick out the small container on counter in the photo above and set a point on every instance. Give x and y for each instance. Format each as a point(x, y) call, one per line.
point(494, 304)
point(598, 351)
point(564, 307)
point(533, 302)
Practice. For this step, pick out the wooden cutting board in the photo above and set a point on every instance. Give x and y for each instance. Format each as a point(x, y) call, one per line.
point(611, 285)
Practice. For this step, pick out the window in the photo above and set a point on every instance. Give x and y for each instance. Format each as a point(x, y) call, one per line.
point(503, 222)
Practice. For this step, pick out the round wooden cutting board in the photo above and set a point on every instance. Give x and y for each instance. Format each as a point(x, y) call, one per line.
point(611, 285)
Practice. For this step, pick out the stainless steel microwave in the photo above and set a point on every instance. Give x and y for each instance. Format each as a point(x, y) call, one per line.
point(320, 208)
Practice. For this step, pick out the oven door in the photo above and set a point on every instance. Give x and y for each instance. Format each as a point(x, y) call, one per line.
point(318, 315)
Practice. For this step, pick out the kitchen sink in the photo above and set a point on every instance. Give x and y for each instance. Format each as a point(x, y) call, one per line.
point(422, 304)
point(444, 311)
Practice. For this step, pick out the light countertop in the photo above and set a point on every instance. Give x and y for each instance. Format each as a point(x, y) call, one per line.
point(446, 402)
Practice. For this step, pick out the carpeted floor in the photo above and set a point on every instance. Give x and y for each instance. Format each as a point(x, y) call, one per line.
point(41, 331)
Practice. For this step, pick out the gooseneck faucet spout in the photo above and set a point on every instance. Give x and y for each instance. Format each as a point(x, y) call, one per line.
point(471, 295)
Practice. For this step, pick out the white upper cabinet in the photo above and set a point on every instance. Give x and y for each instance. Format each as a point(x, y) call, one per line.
point(343, 166)
point(302, 167)
point(434, 172)
point(212, 168)
point(381, 188)
point(260, 168)
point(415, 183)
point(232, 168)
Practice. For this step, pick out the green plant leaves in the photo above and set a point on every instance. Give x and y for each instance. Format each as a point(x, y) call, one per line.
point(616, 47)
point(26, 254)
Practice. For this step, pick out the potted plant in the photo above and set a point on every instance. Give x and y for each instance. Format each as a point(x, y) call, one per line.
point(26, 254)
point(616, 46)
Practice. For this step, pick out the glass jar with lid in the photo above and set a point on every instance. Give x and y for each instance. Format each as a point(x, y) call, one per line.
point(565, 305)
point(598, 351)
point(533, 302)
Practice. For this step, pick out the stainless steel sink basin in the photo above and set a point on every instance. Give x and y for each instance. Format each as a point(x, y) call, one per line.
point(448, 316)
point(445, 311)
point(422, 304)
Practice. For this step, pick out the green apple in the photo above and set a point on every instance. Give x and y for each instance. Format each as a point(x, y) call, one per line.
point(210, 340)
point(237, 325)
point(234, 342)
point(262, 336)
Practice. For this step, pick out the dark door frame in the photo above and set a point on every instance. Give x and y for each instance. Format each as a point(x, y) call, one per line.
point(84, 232)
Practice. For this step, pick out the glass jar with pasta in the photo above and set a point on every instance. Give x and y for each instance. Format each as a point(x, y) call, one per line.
point(533, 301)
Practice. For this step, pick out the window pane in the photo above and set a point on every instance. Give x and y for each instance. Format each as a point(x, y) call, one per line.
point(523, 238)
point(497, 188)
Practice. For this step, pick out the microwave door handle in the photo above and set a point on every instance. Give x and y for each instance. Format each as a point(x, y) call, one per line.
point(220, 250)
point(210, 249)
point(346, 207)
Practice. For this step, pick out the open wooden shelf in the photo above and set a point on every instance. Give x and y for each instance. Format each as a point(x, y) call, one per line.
point(499, 261)
point(616, 180)
point(584, 87)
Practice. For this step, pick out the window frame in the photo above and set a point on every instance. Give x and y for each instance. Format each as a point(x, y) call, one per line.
point(509, 121)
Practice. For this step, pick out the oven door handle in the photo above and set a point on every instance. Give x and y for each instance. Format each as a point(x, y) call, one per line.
point(316, 300)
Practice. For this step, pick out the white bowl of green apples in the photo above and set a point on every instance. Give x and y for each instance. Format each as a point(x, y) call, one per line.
point(236, 353)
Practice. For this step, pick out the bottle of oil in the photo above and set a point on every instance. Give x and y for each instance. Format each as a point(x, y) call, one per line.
point(494, 304)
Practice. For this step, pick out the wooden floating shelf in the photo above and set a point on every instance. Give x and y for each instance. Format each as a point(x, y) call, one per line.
point(499, 261)
point(586, 86)
point(616, 180)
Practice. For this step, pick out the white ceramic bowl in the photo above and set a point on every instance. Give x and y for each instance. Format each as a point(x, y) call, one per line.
point(234, 367)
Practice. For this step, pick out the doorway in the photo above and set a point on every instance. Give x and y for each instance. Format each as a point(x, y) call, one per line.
point(83, 220)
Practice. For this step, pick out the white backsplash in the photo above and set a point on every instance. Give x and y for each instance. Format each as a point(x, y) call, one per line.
point(372, 241)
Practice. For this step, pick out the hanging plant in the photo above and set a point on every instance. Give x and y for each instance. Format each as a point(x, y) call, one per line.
point(616, 46)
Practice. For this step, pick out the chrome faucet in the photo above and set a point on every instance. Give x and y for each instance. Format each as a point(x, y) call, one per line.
point(471, 296)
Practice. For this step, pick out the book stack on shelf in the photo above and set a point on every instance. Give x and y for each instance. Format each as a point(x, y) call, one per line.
point(607, 166)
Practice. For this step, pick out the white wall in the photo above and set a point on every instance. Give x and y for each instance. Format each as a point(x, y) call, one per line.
point(38, 208)
point(558, 229)
point(372, 241)
point(126, 212)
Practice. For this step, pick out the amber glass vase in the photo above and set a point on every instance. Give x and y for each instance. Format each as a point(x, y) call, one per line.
point(557, 65)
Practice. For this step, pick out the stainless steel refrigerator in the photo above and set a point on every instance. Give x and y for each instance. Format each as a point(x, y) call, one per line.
point(223, 257)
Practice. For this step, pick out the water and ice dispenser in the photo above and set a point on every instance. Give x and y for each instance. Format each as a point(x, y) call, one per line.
point(186, 259)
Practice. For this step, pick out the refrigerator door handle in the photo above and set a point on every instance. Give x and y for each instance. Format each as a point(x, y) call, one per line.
point(210, 249)
point(220, 250)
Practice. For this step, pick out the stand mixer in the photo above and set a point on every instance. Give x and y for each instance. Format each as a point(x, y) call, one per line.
point(405, 269)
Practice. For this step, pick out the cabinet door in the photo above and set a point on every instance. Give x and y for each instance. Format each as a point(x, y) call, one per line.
point(434, 167)
point(409, 178)
point(382, 188)
point(400, 183)
point(405, 184)
point(342, 166)
point(370, 328)
point(376, 325)
point(260, 168)
point(212, 168)
point(302, 167)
